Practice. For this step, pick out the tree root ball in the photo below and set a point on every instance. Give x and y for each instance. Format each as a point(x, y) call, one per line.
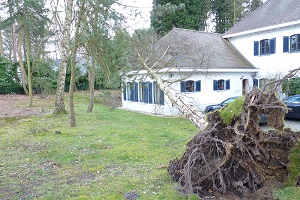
point(238, 158)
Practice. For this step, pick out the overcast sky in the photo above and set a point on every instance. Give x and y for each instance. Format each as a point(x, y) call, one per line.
point(142, 6)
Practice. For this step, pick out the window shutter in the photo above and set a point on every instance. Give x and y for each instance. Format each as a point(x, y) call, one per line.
point(124, 92)
point(285, 44)
point(150, 92)
point(182, 86)
point(273, 46)
point(136, 92)
point(228, 84)
point(255, 82)
point(198, 86)
point(215, 85)
point(161, 97)
point(256, 46)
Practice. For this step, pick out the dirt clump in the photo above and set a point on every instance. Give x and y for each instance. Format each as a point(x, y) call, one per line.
point(238, 159)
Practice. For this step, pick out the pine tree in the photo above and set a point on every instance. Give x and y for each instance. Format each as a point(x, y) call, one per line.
point(189, 14)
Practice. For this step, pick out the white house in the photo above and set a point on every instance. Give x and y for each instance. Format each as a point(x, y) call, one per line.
point(269, 38)
point(212, 67)
point(202, 65)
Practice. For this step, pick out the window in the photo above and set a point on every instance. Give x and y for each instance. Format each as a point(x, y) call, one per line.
point(141, 91)
point(190, 86)
point(221, 85)
point(131, 91)
point(147, 90)
point(255, 82)
point(265, 47)
point(291, 44)
point(295, 42)
point(158, 95)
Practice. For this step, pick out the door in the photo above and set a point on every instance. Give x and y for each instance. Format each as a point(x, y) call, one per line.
point(245, 86)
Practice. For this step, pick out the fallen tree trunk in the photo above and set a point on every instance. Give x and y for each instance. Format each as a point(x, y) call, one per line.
point(190, 111)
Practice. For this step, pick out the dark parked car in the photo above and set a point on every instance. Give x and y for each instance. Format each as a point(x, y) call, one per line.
point(218, 106)
point(210, 108)
point(293, 103)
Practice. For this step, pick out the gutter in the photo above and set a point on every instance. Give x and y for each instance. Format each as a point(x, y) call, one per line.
point(278, 26)
point(176, 70)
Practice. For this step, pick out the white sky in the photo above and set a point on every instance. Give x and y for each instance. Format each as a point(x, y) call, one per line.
point(142, 6)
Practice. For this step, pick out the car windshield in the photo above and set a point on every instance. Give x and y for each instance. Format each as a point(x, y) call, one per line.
point(228, 101)
point(292, 99)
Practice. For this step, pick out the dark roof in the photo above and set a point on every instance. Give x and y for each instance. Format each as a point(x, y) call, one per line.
point(197, 49)
point(273, 12)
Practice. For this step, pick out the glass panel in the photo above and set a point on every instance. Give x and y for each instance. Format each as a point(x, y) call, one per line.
point(262, 47)
point(189, 87)
point(293, 42)
point(267, 46)
point(220, 84)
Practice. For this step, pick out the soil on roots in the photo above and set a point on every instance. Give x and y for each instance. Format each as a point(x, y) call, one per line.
point(238, 160)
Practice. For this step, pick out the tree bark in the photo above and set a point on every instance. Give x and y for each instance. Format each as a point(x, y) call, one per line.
point(1, 45)
point(91, 74)
point(59, 106)
point(187, 109)
point(27, 45)
point(23, 72)
point(73, 67)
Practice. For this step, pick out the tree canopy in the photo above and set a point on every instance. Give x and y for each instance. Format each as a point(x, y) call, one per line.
point(199, 14)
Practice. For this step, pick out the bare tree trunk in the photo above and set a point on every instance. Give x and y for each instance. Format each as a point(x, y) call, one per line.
point(28, 68)
point(13, 50)
point(187, 109)
point(73, 67)
point(59, 106)
point(23, 72)
point(1, 45)
point(91, 86)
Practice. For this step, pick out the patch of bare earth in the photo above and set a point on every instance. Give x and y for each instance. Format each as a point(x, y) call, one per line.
point(18, 105)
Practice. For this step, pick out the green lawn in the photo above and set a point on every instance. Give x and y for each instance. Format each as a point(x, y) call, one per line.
point(111, 152)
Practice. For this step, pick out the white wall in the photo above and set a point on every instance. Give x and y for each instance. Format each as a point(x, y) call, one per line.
point(270, 65)
point(201, 99)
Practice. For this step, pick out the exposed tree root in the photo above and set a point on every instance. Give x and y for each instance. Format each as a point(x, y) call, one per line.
point(239, 157)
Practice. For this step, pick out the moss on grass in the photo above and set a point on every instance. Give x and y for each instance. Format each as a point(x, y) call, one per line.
point(232, 110)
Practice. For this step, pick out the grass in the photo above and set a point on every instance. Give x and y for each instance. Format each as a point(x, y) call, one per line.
point(111, 152)
point(232, 110)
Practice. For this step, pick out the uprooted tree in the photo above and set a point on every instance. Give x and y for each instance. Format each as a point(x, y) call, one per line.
point(234, 155)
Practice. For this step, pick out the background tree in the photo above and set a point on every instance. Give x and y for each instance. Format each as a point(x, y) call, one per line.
point(167, 14)
point(253, 4)
point(30, 18)
point(59, 106)
point(103, 45)
point(195, 14)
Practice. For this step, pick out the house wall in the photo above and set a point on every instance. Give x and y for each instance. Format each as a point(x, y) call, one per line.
point(274, 64)
point(206, 96)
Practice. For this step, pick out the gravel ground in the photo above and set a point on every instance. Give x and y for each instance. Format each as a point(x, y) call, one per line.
point(290, 123)
point(293, 124)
